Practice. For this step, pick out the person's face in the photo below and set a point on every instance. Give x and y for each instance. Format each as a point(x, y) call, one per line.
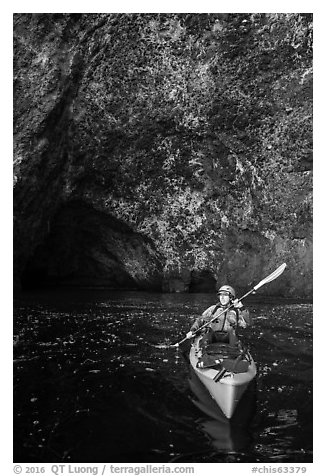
point(224, 298)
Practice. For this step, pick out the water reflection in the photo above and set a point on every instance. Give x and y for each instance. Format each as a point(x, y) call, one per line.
point(226, 436)
point(89, 385)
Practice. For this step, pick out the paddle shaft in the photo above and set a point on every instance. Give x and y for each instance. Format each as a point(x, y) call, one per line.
point(207, 324)
point(266, 280)
point(224, 310)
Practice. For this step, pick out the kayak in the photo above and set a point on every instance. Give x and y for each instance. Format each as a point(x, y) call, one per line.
point(226, 372)
point(225, 434)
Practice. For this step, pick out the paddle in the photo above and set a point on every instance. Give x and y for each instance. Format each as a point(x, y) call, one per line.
point(264, 281)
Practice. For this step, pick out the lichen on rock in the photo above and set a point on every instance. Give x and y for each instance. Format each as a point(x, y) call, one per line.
point(193, 131)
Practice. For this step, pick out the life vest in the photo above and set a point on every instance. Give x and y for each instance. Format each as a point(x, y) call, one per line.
point(218, 306)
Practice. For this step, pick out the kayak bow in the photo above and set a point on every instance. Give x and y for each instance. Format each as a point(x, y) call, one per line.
point(225, 384)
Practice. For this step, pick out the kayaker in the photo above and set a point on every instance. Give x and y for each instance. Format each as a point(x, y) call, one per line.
point(223, 329)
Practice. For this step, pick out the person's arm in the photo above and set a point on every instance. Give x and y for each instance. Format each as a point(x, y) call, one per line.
point(232, 317)
point(200, 321)
point(197, 324)
point(244, 318)
point(208, 313)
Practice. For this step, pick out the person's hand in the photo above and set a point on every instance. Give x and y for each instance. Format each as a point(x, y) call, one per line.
point(237, 304)
point(189, 335)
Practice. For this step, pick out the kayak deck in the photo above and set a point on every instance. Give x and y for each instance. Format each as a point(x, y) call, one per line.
point(228, 390)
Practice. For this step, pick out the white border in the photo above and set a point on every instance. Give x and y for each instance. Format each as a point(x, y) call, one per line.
point(316, 7)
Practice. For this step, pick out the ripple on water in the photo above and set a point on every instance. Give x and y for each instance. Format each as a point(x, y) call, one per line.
point(90, 386)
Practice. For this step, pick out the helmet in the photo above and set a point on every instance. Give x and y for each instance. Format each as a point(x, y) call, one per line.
point(227, 289)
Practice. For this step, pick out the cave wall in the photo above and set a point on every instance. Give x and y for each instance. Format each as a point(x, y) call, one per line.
point(194, 131)
point(85, 247)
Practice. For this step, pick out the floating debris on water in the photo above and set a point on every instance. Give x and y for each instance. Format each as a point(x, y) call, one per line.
point(81, 383)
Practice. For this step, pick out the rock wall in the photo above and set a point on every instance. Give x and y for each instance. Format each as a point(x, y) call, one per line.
point(177, 147)
point(87, 247)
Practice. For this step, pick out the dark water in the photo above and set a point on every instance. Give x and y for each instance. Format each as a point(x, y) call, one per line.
point(89, 386)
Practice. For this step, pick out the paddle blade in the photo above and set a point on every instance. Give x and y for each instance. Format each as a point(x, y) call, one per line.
point(271, 277)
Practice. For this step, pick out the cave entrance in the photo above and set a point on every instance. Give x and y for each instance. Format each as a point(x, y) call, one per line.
point(87, 247)
point(202, 282)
